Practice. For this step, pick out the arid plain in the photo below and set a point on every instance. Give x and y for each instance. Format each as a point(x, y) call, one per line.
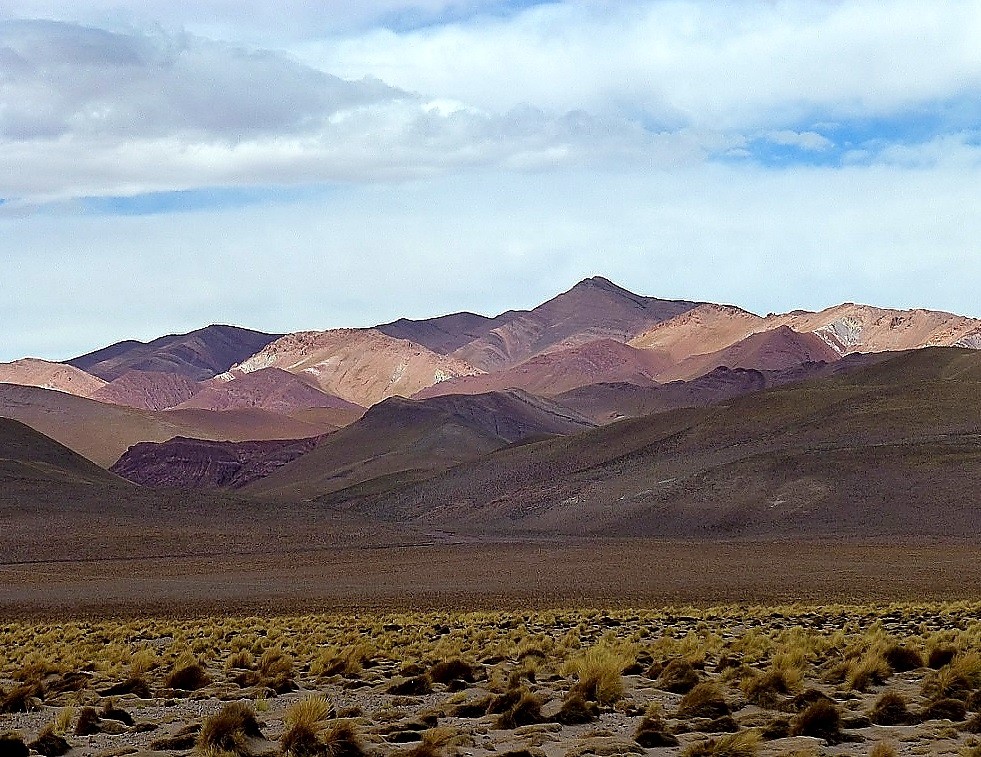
point(608, 525)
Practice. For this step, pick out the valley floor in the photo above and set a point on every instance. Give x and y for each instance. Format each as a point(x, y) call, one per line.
point(423, 573)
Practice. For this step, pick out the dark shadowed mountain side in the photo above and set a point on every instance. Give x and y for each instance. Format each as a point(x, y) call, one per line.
point(271, 389)
point(608, 402)
point(197, 355)
point(777, 349)
point(554, 372)
point(102, 432)
point(148, 390)
point(593, 309)
point(894, 448)
point(28, 455)
point(444, 333)
point(57, 506)
point(400, 440)
point(182, 463)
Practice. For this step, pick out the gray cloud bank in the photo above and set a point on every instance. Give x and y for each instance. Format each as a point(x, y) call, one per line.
point(92, 112)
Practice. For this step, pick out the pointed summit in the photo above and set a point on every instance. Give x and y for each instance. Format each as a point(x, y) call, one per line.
point(593, 309)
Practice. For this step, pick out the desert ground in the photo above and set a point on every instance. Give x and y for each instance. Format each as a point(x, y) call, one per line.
point(511, 648)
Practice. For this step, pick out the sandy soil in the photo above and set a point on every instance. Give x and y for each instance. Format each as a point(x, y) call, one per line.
point(495, 575)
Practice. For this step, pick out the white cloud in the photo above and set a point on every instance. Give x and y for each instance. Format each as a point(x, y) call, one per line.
point(488, 241)
point(89, 112)
point(716, 65)
point(805, 140)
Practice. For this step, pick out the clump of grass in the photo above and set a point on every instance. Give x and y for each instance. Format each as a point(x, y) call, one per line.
point(891, 708)
point(940, 655)
point(63, 721)
point(12, 745)
point(743, 744)
point(766, 689)
point(944, 709)
point(957, 679)
point(704, 701)
point(243, 659)
point(88, 722)
point(420, 684)
point(516, 708)
point(230, 732)
point(652, 731)
point(820, 720)
point(276, 670)
point(576, 710)
point(870, 669)
point(346, 662)
point(50, 744)
point(187, 677)
point(902, 658)
point(306, 724)
point(454, 669)
point(598, 673)
point(883, 749)
point(21, 698)
point(678, 677)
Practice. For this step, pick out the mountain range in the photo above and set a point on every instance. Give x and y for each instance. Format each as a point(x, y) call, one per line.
point(598, 412)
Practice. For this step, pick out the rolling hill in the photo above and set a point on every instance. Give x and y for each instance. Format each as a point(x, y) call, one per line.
point(362, 366)
point(102, 432)
point(148, 390)
point(870, 452)
point(48, 375)
point(197, 355)
point(604, 360)
point(401, 440)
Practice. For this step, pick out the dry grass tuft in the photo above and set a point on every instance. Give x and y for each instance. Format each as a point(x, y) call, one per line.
point(598, 673)
point(767, 689)
point(820, 720)
point(678, 677)
point(883, 749)
point(704, 701)
point(744, 744)
point(944, 709)
point(891, 708)
point(652, 731)
point(452, 670)
point(88, 722)
point(902, 658)
point(50, 744)
point(22, 698)
point(192, 677)
point(230, 732)
point(517, 708)
point(306, 724)
point(12, 745)
point(576, 710)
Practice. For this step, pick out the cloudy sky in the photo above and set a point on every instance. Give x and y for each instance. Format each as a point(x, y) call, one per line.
point(172, 163)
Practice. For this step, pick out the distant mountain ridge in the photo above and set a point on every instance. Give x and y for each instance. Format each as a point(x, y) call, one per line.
point(197, 355)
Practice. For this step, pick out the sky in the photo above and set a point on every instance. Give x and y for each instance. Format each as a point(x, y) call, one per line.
point(312, 164)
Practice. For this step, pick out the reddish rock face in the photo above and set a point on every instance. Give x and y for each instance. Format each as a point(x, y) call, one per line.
point(559, 371)
point(271, 389)
point(48, 375)
point(198, 464)
point(148, 390)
